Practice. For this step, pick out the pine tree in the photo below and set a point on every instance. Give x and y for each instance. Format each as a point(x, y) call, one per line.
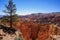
point(11, 10)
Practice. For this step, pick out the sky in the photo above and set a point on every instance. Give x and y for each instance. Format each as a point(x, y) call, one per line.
point(25, 7)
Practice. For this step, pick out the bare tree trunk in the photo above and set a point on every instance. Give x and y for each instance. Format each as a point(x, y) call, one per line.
point(11, 19)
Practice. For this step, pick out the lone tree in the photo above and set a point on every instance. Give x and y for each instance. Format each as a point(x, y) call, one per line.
point(11, 10)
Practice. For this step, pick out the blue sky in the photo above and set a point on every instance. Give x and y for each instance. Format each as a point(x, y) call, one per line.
point(25, 7)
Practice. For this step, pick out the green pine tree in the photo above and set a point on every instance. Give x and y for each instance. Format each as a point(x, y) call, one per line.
point(11, 10)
